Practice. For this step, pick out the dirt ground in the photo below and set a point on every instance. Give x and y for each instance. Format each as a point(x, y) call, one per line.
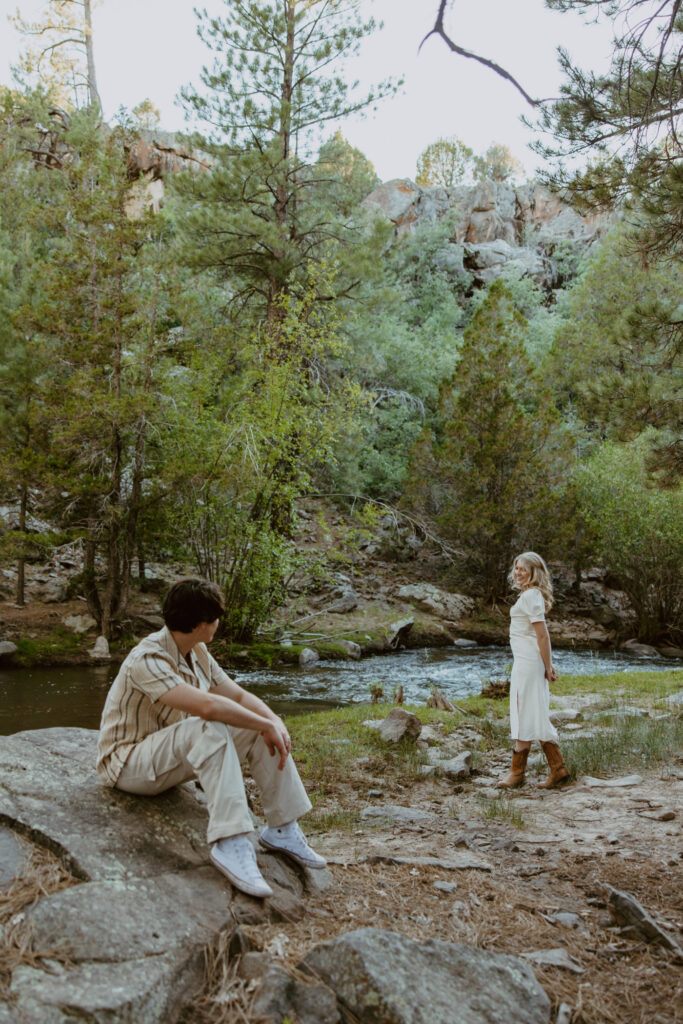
point(576, 841)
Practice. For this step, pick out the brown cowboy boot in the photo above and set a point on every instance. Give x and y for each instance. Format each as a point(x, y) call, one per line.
point(559, 772)
point(517, 770)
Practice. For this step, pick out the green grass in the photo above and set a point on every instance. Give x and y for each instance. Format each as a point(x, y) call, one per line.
point(325, 819)
point(634, 685)
point(502, 808)
point(50, 649)
point(628, 743)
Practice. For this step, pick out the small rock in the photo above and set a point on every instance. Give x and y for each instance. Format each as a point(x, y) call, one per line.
point(79, 623)
point(642, 650)
point(629, 913)
point(308, 656)
point(347, 602)
point(353, 650)
point(564, 1014)
point(398, 631)
point(100, 652)
point(671, 652)
point(376, 792)
point(621, 783)
point(563, 715)
point(379, 975)
point(463, 643)
point(399, 724)
point(7, 648)
point(394, 812)
point(458, 767)
point(427, 770)
point(447, 887)
point(558, 957)
point(565, 918)
point(665, 816)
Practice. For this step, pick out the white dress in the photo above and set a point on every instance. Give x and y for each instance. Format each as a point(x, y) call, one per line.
point(529, 692)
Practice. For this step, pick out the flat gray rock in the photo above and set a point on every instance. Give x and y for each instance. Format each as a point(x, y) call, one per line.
point(380, 976)
point(51, 793)
point(133, 918)
point(12, 857)
point(558, 957)
point(148, 903)
point(146, 991)
point(394, 813)
point(463, 862)
point(625, 782)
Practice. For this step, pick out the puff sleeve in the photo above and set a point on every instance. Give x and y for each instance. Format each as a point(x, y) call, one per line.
point(534, 605)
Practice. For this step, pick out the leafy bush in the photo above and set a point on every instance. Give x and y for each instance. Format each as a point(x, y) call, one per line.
point(639, 530)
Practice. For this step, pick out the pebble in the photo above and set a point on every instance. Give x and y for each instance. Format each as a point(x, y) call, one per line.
point(447, 887)
point(375, 792)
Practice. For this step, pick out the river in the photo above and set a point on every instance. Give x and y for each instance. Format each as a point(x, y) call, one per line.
point(39, 698)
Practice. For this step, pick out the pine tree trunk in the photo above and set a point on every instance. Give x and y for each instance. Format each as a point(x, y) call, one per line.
point(21, 561)
point(93, 91)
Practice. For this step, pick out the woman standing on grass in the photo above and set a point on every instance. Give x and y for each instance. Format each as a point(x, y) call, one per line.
point(532, 671)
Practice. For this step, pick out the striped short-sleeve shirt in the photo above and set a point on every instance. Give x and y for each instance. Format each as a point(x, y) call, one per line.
point(133, 710)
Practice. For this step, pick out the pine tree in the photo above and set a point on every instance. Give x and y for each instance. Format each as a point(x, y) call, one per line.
point(273, 87)
point(500, 456)
point(61, 53)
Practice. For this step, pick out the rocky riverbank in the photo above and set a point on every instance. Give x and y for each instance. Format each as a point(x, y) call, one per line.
point(387, 589)
point(534, 906)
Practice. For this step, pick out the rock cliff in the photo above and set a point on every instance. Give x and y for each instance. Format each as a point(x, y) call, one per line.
point(494, 226)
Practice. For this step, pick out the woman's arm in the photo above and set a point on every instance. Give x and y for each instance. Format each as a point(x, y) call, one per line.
point(543, 640)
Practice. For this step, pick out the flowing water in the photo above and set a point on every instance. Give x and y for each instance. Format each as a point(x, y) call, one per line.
point(44, 697)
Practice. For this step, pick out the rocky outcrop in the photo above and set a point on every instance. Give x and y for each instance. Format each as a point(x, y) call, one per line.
point(441, 603)
point(495, 226)
point(132, 932)
point(380, 976)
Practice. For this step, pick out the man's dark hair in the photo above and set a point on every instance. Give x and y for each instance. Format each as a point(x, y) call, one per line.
point(191, 601)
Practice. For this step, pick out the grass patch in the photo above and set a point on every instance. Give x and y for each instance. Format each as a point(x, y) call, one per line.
point(326, 819)
point(631, 742)
point(502, 808)
point(328, 745)
point(629, 685)
point(50, 649)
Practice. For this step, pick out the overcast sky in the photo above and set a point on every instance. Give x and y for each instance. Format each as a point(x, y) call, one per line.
point(149, 48)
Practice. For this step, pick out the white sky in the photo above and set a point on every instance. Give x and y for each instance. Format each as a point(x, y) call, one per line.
point(149, 48)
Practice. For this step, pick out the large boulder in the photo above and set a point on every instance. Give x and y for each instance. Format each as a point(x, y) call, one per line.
point(439, 602)
point(384, 978)
point(134, 930)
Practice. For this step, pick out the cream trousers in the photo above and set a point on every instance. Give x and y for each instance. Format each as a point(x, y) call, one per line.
point(212, 752)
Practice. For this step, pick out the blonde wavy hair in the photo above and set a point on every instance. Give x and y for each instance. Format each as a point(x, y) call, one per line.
point(540, 577)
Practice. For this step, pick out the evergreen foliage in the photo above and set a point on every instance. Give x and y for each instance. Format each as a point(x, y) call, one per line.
point(499, 457)
point(273, 87)
point(617, 352)
point(639, 531)
point(626, 120)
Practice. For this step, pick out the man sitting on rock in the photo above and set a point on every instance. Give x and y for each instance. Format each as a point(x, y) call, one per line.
point(172, 714)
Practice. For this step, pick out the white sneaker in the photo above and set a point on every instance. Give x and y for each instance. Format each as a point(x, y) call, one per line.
point(289, 839)
point(236, 858)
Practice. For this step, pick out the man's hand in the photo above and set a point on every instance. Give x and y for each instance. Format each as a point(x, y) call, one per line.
point(277, 739)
